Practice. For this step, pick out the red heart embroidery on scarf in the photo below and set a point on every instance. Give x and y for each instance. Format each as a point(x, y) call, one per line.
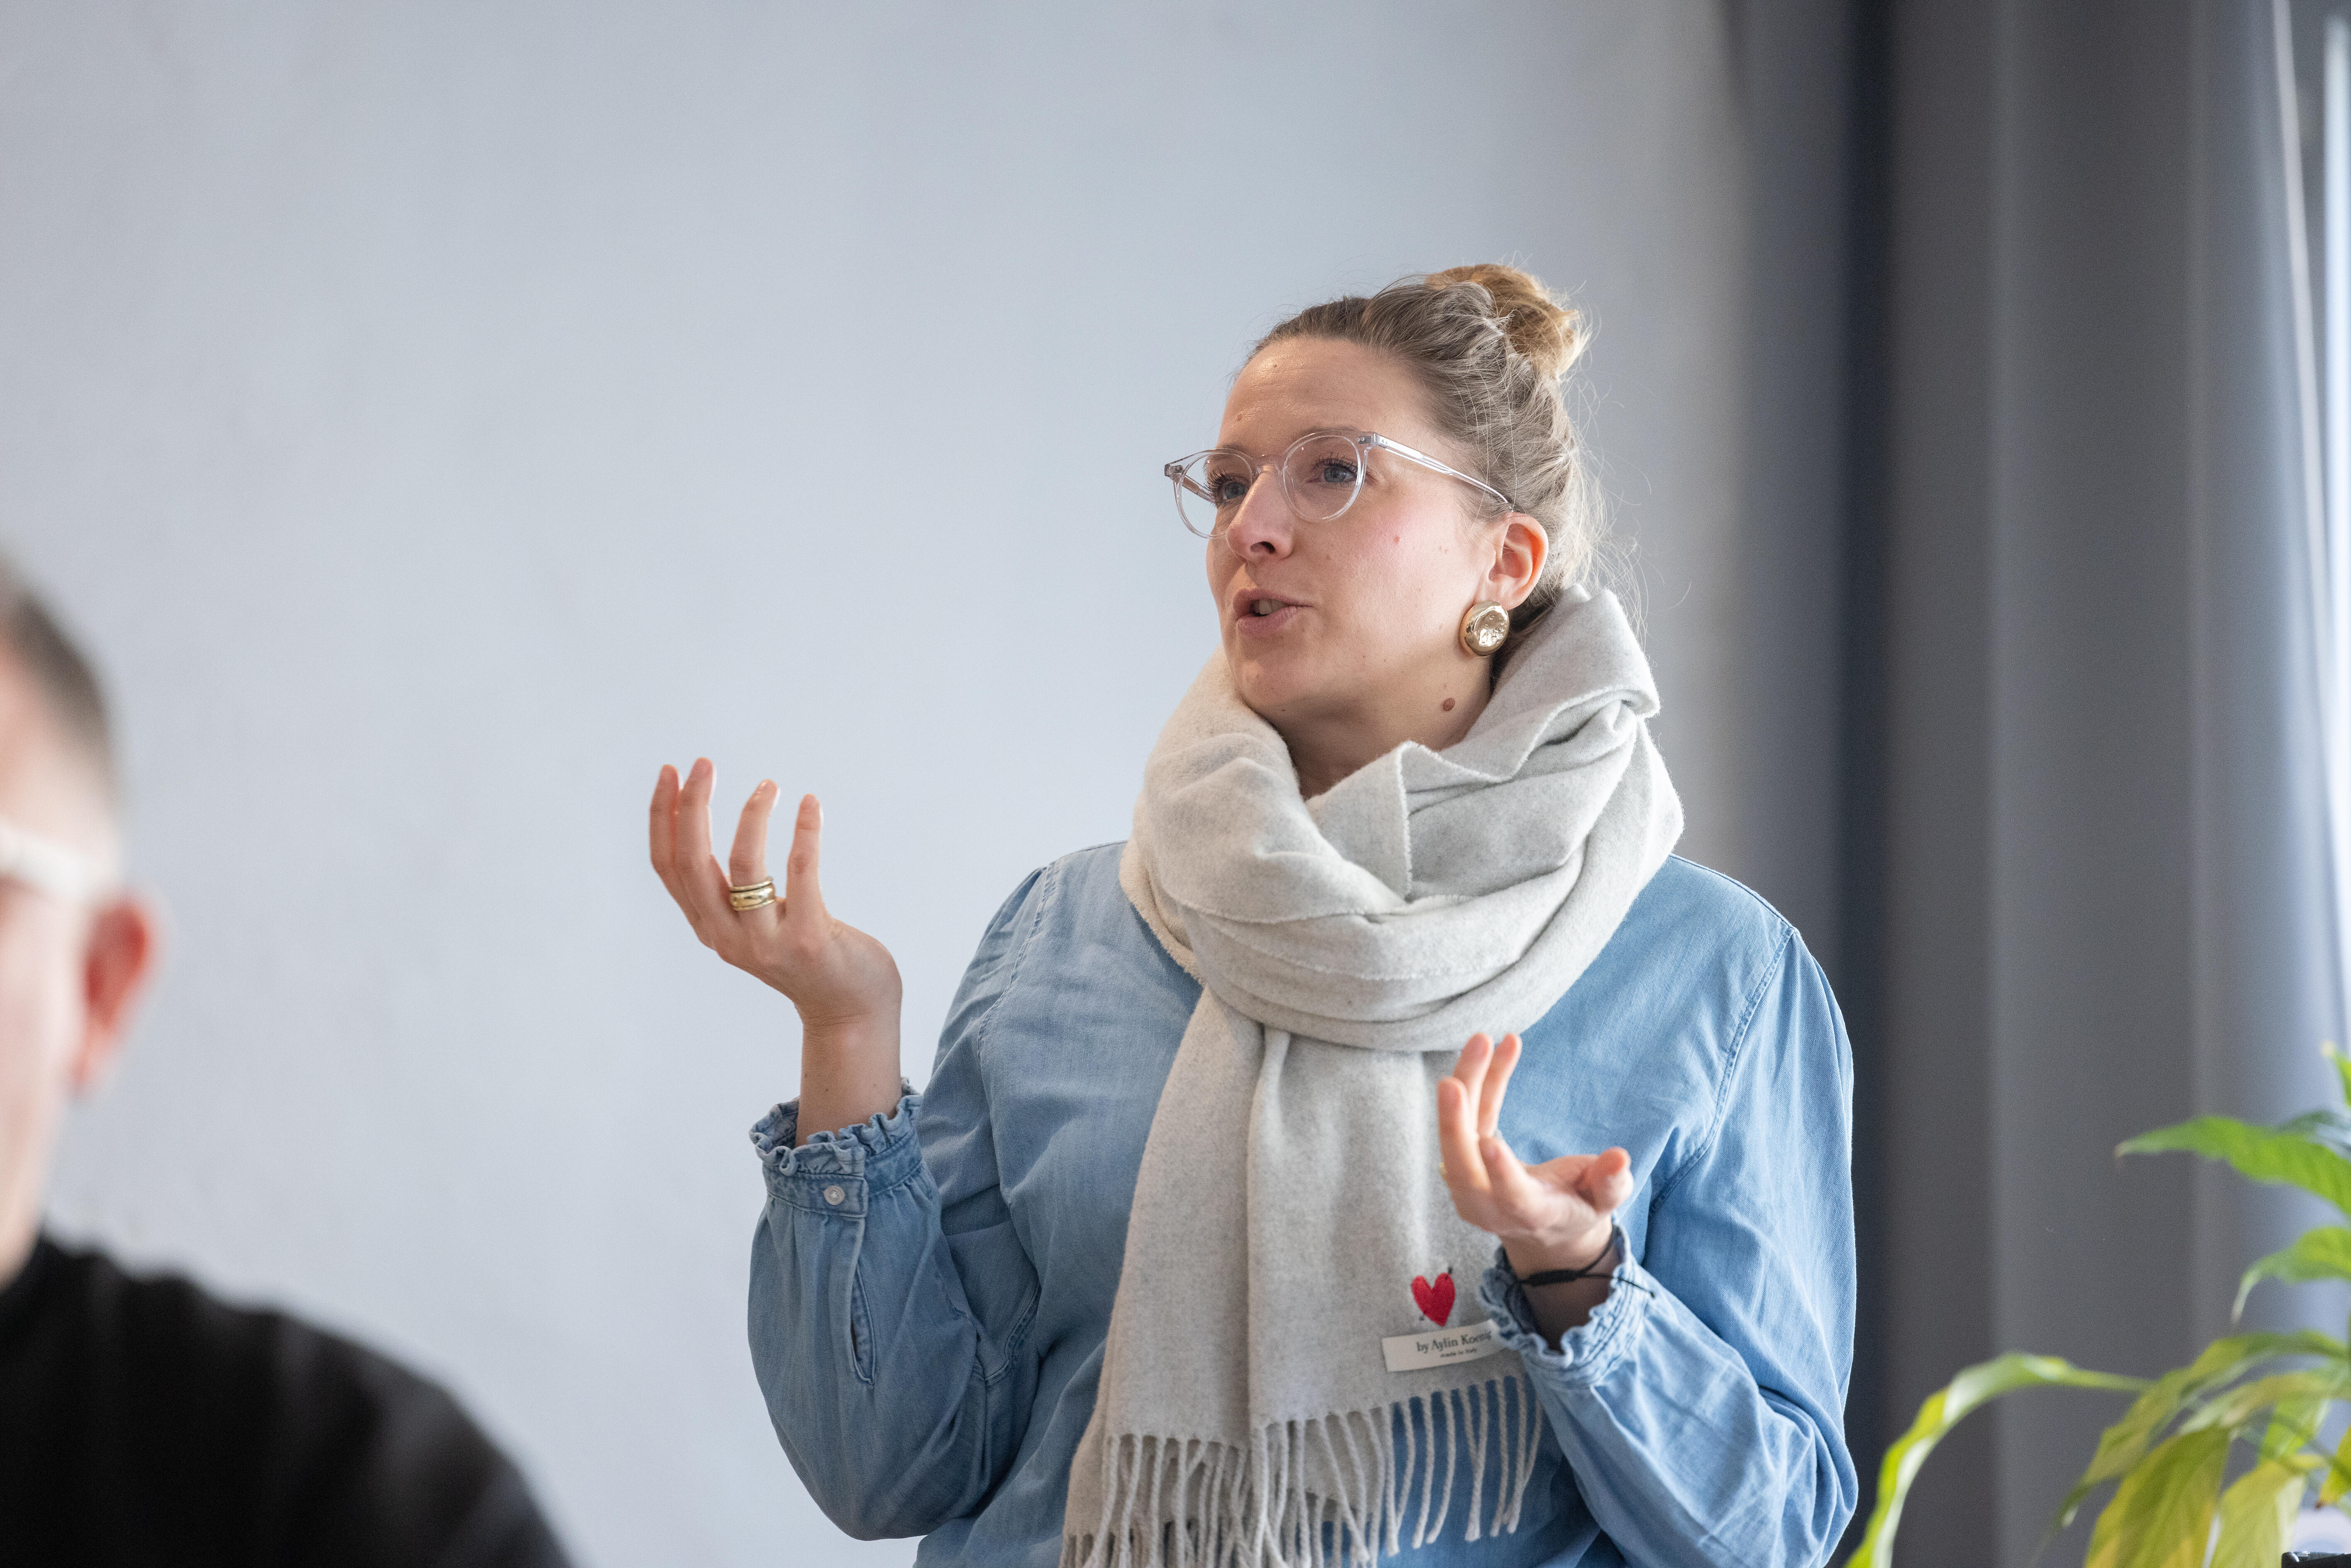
point(1436, 1301)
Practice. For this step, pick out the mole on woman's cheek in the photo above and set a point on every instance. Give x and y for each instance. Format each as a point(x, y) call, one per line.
point(1448, 706)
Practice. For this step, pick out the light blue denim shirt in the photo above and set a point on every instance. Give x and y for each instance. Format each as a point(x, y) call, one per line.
point(931, 1292)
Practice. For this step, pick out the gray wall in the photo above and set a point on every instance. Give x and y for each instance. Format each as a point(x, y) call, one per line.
point(439, 416)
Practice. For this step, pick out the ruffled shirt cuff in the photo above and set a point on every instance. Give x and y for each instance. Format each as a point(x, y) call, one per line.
point(1587, 1353)
point(834, 1172)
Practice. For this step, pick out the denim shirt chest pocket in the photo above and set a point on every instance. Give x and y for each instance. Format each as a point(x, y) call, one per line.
point(1660, 1113)
point(1637, 1054)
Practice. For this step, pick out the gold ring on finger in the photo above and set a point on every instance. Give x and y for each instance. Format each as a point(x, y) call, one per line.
point(752, 895)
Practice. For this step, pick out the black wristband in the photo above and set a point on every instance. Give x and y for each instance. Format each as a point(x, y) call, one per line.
point(1607, 1263)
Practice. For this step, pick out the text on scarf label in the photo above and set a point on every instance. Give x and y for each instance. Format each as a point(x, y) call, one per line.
point(1418, 1351)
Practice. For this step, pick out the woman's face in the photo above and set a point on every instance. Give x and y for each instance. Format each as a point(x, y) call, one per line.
point(1344, 621)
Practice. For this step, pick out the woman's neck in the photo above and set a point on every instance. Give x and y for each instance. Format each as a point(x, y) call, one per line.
point(1326, 747)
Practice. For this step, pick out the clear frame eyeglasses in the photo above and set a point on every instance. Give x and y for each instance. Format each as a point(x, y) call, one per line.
point(1321, 474)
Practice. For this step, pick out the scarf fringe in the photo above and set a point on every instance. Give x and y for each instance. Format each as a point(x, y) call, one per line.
point(1187, 1502)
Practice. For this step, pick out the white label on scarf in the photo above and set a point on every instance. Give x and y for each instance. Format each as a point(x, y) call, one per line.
point(1438, 1347)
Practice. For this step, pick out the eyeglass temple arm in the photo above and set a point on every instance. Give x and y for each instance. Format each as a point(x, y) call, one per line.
point(1181, 469)
point(45, 864)
point(1179, 472)
point(1426, 460)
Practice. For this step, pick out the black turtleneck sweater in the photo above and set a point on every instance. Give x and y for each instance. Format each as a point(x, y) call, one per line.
point(142, 1422)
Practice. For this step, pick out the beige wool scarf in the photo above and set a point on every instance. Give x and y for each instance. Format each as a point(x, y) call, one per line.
point(1298, 1370)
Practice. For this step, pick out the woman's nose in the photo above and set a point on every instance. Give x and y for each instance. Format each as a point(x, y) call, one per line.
point(1262, 527)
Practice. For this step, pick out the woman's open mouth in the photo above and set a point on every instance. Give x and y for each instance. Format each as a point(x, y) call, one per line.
point(1264, 614)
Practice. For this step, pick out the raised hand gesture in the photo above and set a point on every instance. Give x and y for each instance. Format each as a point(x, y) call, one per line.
point(844, 983)
point(1554, 1215)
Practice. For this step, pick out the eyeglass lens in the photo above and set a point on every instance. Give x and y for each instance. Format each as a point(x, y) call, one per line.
point(1321, 475)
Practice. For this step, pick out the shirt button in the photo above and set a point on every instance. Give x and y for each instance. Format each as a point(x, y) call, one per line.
point(834, 1194)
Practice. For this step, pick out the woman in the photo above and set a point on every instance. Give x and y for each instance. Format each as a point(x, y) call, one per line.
point(1211, 1240)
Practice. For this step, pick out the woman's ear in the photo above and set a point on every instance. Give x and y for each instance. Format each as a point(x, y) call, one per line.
point(1518, 561)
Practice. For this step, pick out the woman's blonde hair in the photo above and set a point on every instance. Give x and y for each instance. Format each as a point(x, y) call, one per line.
point(1490, 345)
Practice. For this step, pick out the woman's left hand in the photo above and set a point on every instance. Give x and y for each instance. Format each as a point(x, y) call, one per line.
point(1555, 1214)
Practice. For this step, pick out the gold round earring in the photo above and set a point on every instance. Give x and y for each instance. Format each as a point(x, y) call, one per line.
point(1484, 629)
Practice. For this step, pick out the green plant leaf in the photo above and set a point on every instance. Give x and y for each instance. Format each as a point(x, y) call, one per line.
point(2342, 1067)
point(2220, 1363)
point(2322, 1252)
point(2257, 1516)
point(1943, 1409)
point(2325, 1126)
point(2161, 1516)
point(2294, 1426)
point(2236, 1409)
point(2338, 1475)
point(2260, 1154)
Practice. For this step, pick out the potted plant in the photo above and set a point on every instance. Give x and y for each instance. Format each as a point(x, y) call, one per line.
point(2230, 1438)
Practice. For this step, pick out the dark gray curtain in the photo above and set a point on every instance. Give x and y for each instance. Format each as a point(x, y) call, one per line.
point(2057, 802)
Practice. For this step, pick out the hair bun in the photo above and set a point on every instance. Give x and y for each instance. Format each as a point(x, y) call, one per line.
point(1547, 332)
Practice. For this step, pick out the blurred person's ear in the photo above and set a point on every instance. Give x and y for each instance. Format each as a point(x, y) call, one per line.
point(126, 940)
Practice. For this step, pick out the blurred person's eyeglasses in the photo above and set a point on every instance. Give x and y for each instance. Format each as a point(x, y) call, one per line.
point(43, 866)
point(1321, 474)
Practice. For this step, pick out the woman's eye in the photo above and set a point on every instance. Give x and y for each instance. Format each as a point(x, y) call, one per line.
point(1332, 471)
point(1228, 490)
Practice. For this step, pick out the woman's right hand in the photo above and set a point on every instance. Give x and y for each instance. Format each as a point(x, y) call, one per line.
point(844, 983)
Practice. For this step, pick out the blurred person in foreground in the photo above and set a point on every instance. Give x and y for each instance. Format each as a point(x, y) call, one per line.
point(142, 1421)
